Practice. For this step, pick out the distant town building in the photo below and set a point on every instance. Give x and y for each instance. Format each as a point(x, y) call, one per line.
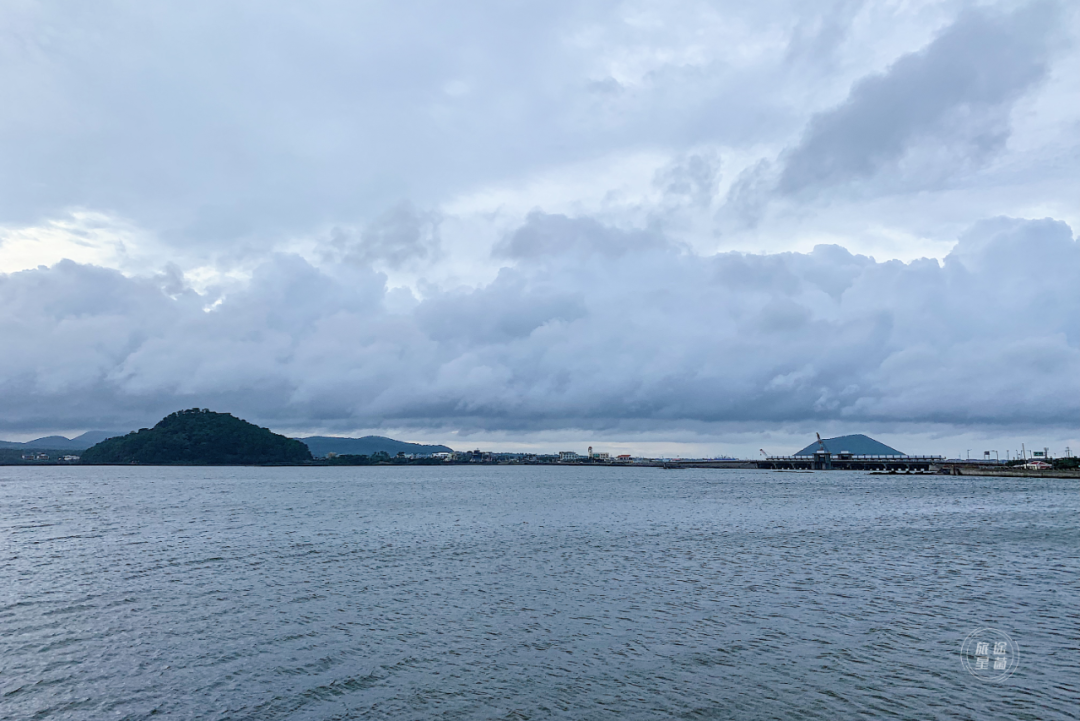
point(568, 456)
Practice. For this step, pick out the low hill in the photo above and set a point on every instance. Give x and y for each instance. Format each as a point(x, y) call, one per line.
point(858, 445)
point(366, 446)
point(61, 443)
point(199, 437)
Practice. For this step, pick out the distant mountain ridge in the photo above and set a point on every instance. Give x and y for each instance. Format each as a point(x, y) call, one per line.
point(319, 445)
point(366, 446)
point(60, 443)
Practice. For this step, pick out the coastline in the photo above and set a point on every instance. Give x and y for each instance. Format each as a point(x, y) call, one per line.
point(944, 470)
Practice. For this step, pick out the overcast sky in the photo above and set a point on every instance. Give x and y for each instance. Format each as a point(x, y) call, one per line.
point(662, 227)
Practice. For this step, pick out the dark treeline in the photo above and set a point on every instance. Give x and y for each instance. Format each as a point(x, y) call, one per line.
point(380, 458)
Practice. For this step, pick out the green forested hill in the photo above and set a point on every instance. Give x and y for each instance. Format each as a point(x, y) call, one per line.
point(199, 437)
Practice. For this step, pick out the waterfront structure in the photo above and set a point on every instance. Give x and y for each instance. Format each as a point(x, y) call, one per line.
point(850, 453)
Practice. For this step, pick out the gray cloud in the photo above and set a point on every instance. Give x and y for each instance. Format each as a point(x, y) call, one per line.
point(816, 39)
point(545, 236)
point(404, 145)
point(647, 335)
point(954, 96)
point(693, 178)
point(398, 237)
point(240, 123)
point(749, 195)
point(508, 309)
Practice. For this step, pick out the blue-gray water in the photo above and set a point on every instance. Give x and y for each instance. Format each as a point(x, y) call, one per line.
point(530, 593)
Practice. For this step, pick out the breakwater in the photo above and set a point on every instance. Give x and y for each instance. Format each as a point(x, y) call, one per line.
point(969, 469)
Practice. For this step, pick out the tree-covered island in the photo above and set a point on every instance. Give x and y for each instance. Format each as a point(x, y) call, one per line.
point(199, 437)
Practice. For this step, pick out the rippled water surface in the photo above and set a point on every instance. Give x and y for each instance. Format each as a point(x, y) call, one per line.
point(526, 593)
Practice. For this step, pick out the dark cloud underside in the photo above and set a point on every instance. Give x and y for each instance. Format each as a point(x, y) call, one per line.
point(617, 329)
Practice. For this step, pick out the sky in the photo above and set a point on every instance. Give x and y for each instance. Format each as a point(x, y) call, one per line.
point(663, 228)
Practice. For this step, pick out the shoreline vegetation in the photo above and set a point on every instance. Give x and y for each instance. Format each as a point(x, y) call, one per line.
point(201, 437)
point(379, 460)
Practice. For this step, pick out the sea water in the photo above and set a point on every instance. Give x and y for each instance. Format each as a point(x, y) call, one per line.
point(526, 592)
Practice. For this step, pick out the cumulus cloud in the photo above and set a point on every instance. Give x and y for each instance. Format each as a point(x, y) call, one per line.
point(610, 332)
point(547, 236)
point(399, 237)
point(949, 102)
point(691, 179)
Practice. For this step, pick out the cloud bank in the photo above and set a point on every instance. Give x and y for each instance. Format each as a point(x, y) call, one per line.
point(627, 217)
point(615, 330)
